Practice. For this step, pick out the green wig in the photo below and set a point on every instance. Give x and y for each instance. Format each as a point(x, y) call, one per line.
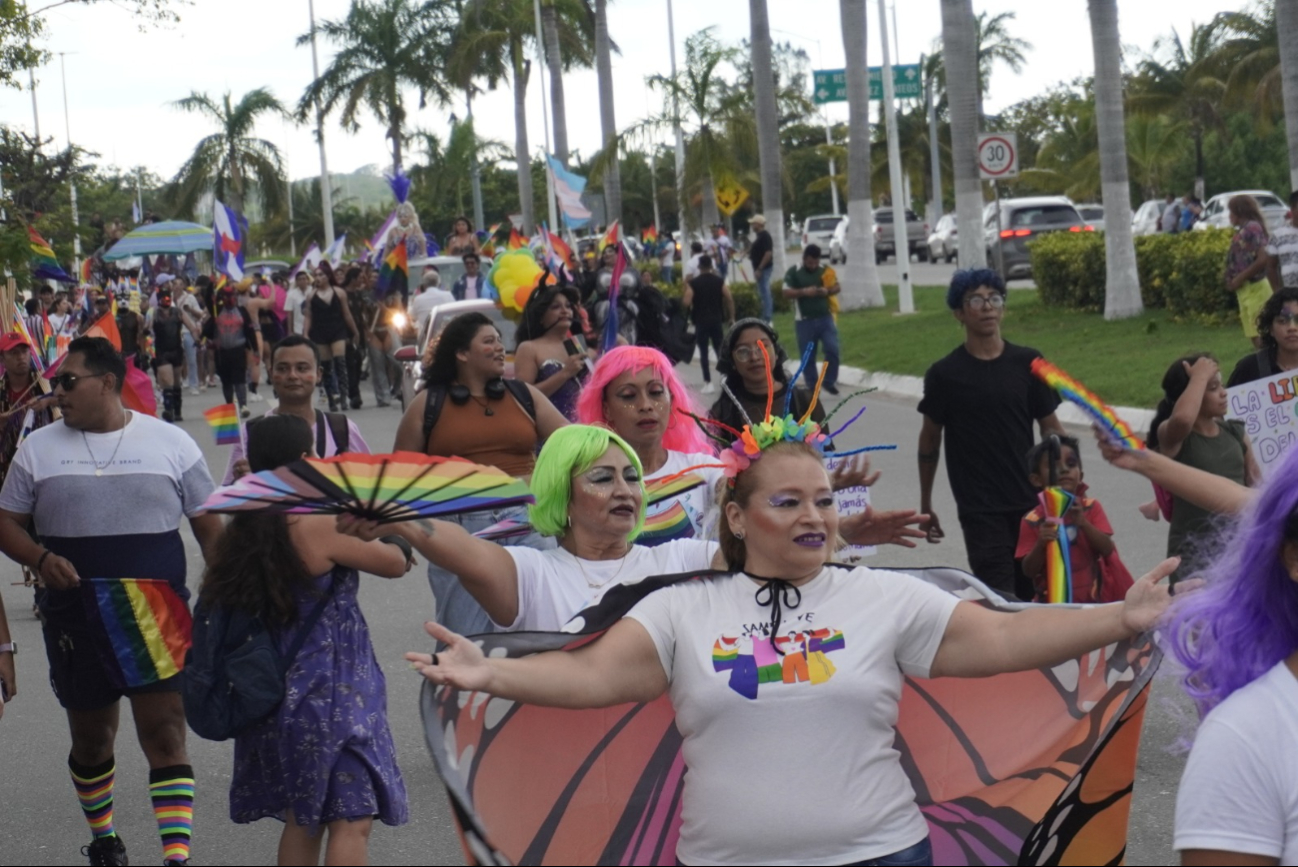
point(571, 451)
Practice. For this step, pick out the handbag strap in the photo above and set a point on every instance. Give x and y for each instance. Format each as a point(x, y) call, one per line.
point(312, 619)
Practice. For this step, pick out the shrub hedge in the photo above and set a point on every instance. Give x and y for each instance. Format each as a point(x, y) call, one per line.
point(747, 301)
point(1183, 272)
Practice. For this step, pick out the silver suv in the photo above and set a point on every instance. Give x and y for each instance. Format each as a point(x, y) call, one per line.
point(1021, 221)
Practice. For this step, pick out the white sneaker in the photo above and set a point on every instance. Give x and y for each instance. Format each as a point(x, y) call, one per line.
point(245, 412)
point(254, 397)
point(194, 390)
point(709, 388)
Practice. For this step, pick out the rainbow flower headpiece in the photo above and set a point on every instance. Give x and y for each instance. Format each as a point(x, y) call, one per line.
point(747, 445)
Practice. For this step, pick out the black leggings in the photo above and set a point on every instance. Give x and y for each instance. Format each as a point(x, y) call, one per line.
point(232, 368)
point(704, 333)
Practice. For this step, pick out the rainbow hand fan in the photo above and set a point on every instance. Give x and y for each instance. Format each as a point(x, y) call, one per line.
point(403, 486)
point(1055, 503)
point(1072, 390)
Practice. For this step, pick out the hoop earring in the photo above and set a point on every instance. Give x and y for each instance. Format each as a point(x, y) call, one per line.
point(739, 536)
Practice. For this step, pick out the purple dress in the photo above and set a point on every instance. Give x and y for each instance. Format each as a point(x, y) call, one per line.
point(565, 399)
point(327, 752)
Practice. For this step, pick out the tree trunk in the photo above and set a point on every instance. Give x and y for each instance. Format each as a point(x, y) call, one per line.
point(522, 152)
point(554, 60)
point(1122, 282)
point(768, 125)
point(712, 216)
point(1199, 185)
point(235, 197)
point(394, 132)
point(860, 278)
point(961, 59)
point(1286, 22)
point(608, 126)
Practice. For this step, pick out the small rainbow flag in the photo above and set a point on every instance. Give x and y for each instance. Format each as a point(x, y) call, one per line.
point(516, 241)
point(1072, 390)
point(44, 265)
point(224, 420)
point(611, 237)
point(1055, 503)
point(649, 235)
point(146, 628)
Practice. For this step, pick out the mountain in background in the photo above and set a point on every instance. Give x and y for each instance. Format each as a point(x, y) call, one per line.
point(365, 187)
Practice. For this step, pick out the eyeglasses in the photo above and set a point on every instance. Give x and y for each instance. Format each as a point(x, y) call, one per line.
point(1283, 319)
point(68, 381)
point(745, 354)
point(978, 302)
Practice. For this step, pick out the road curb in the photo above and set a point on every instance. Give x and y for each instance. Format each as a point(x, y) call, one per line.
point(912, 388)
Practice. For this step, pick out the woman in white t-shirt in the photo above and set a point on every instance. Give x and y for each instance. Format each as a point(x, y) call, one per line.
point(1238, 641)
point(777, 772)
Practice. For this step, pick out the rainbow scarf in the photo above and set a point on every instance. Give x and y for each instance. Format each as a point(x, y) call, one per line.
point(224, 420)
point(1100, 412)
point(1055, 503)
point(145, 628)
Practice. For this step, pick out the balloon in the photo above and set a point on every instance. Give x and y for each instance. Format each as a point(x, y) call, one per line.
point(513, 276)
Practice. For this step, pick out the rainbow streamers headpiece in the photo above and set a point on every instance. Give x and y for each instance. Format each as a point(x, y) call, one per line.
point(748, 444)
point(1103, 415)
point(1055, 503)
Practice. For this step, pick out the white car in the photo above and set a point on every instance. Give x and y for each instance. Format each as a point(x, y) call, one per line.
point(411, 358)
point(1148, 218)
point(450, 268)
point(819, 230)
point(944, 243)
point(838, 243)
point(1217, 216)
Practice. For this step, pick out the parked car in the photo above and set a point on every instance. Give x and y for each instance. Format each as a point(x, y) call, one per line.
point(1216, 216)
point(916, 235)
point(1022, 220)
point(450, 268)
point(944, 243)
point(1148, 218)
point(838, 243)
point(819, 230)
point(1093, 215)
point(412, 358)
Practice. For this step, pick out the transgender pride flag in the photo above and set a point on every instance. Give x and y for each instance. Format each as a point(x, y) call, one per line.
point(568, 188)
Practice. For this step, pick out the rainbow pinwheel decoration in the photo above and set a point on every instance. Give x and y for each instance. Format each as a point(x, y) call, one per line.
point(1103, 415)
point(1055, 503)
point(403, 486)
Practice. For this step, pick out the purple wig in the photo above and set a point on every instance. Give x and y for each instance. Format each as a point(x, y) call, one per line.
point(682, 435)
point(1246, 619)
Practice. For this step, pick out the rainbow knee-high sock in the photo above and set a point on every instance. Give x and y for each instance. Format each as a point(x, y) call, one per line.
point(172, 791)
point(95, 792)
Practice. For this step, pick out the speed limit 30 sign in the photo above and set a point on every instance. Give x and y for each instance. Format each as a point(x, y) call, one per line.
point(998, 155)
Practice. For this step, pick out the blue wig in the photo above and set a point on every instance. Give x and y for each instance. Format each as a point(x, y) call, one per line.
point(1245, 620)
point(967, 280)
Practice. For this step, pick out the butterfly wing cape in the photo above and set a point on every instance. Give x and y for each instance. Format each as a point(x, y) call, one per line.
point(402, 486)
point(1049, 783)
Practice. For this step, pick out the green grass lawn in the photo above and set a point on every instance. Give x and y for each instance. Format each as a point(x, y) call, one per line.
point(1123, 362)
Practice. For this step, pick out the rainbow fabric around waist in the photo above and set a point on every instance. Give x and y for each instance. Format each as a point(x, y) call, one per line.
point(145, 628)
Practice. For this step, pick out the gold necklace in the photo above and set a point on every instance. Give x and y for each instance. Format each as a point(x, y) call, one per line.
point(591, 584)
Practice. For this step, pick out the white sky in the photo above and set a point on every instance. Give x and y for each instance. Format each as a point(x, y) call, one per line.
point(120, 80)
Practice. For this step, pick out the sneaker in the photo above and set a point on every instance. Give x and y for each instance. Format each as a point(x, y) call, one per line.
point(244, 412)
point(709, 388)
point(107, 851)
point(356, 404)
point(832, 389)
point(193, 390)
point(254, 397)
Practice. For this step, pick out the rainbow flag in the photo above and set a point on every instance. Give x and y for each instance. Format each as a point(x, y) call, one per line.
point(515, 240)
point(489, 242)
point(145, 628)
point(224, 420)
point(562, 251)
point(1055, 503)
point(394, 275)
point(611, 237)
point(44, 265)
point(649, 235)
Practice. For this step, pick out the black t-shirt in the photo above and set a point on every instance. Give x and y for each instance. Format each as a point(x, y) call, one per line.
point(1252, 367)
point(707, 309)
point(987, 409)
point(761, 246)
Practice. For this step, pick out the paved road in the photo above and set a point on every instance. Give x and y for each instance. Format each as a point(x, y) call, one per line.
point(40, 823)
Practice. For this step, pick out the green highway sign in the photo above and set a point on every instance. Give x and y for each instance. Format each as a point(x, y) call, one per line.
point(830, 85)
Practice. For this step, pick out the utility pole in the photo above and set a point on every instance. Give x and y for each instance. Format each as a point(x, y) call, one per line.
point(326, 186)
point(36, 114)
point(72, 184)
point(900, 235)
point(680, 134)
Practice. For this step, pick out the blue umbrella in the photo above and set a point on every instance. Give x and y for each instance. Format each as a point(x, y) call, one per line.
point(171, 236)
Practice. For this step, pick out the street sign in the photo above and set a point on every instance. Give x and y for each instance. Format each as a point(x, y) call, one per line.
point(830, 85)
point(998, 155)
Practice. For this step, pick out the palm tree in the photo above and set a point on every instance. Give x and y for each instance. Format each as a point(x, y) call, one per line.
point(1250, 50)
point(607, 122)
point(861, 281)
point(1188, 85)
point(1121, 283)
point(491, 44)
point(1286, 21)
point(1154, 146)
point(993, 44)
point(226, 162)
point(554, 60)
point(768, 126)
point(1069, 159)
point(959, 33)
point(385, 47)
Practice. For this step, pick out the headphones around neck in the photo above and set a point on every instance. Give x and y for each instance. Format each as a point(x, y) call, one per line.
point(459, 394)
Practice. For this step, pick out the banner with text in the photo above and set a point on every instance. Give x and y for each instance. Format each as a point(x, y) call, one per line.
point(1269, 410)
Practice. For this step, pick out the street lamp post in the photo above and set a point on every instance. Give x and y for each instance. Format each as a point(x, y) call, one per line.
point(72, 184)
point(680, 134)
point(900, 235)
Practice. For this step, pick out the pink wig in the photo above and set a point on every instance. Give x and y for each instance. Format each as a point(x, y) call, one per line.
point(682, 435)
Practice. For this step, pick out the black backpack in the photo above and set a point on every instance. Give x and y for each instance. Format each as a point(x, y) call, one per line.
point(437, 397)
point(234, 676)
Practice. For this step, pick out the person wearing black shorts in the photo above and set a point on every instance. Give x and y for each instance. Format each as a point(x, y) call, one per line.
point(165, 322)
point(708, 298)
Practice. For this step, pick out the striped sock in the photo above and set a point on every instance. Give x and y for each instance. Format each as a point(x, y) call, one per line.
point(95, 792)
point(172, 791)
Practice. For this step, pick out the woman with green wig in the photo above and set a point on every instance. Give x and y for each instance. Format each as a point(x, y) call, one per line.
point(590, 494)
